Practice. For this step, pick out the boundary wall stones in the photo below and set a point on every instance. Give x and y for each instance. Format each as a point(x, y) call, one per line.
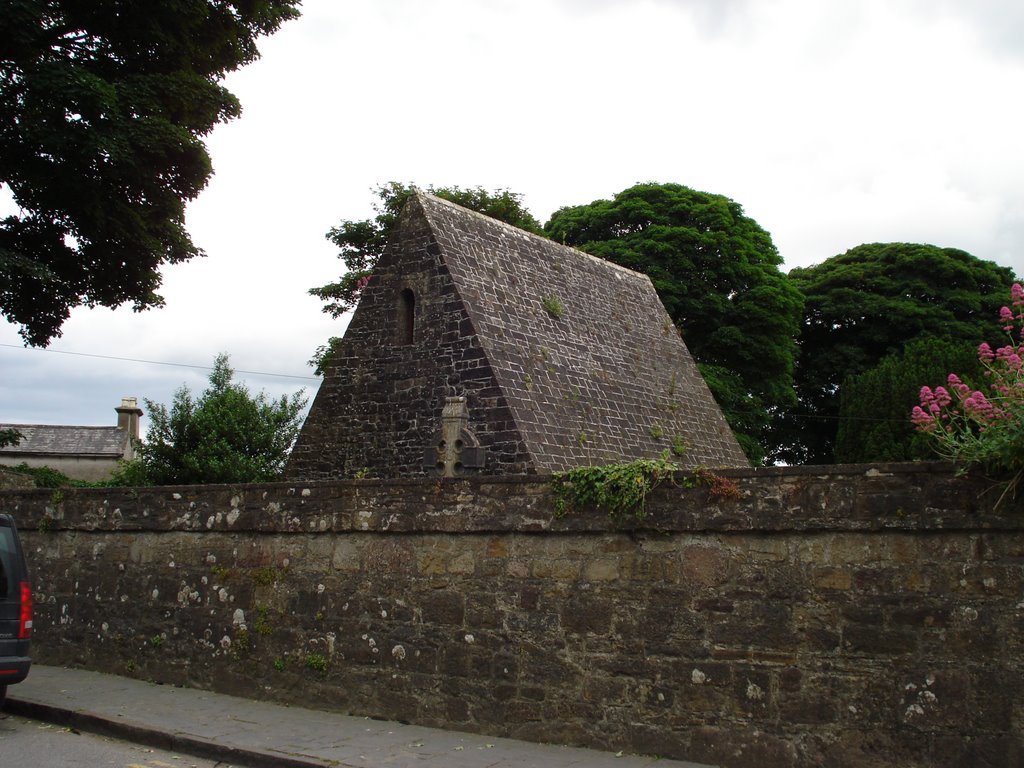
point(864, 615)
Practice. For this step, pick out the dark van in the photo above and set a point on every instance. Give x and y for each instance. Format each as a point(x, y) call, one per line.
point(15, 608)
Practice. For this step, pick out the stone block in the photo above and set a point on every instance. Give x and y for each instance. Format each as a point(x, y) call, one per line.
point(833, 578)
point(587, 614)
point(442, 607)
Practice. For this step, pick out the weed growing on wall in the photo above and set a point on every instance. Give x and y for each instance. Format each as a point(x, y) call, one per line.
point(264, 577)
point(263, 625)
point(553, 305)
point(678, 446)
point(719, 487)
point(316, 662)
point(977, 428)
point(619, 490)
point(241, 645)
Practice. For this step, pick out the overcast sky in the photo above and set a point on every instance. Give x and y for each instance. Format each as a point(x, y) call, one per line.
point(833, 123)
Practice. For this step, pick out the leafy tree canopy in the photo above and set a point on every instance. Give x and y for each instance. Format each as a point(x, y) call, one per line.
point(224, 436)
point(717, 273)
point(867, 304)
point(103, 106)
point(10, 436)
point(362, 242)
point(874, 406)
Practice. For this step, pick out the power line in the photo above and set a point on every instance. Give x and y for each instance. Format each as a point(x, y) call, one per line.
point(158, 362)
point(809, 416)
point(836, 417)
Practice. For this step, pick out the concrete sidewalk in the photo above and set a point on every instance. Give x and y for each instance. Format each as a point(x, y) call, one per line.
point(259, 734)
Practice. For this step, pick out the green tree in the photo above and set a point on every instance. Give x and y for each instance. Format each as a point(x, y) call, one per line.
point(874, 406)
point(10, 436)
point(224, 436)
point(867, 304)
point(717, 273)
point(103, 106)
point(362, 242)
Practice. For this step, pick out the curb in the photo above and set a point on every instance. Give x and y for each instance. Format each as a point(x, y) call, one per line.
point(156, 738)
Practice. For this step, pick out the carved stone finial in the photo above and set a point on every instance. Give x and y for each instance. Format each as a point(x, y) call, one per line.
point(456, 446)
point(454, 419)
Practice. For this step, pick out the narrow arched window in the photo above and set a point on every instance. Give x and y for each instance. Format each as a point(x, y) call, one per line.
point(406, 317)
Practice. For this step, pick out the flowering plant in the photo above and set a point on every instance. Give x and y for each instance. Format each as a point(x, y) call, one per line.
point(976, 428)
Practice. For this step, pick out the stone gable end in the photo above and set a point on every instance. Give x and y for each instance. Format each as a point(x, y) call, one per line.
point(480, 348)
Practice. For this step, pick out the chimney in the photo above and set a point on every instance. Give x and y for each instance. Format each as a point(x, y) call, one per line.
point(128, 415)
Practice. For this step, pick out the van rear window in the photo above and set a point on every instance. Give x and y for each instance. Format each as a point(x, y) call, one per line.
point(7, 554)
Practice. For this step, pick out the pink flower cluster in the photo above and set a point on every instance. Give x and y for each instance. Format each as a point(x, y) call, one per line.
point(929, 416)
point(959, 411)
point(1009, 316)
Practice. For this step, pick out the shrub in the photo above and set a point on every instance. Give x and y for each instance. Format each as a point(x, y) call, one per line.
point(979, 429)
point(620, 490)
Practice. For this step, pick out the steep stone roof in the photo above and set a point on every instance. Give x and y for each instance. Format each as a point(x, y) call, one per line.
point(564, 359)
point(58, 440)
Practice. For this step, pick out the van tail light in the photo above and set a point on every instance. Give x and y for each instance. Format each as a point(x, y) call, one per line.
point(25, 620)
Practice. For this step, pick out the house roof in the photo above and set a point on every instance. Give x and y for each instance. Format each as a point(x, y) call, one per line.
point(591, 364)
point(59, 440)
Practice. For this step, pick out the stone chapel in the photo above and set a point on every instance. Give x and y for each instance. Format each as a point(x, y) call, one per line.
point(478, 348)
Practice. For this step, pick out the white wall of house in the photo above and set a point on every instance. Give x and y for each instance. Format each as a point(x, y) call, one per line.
point(90, 468)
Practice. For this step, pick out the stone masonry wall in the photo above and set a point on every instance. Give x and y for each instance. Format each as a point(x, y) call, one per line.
point(380, 404)
point(847, 616)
